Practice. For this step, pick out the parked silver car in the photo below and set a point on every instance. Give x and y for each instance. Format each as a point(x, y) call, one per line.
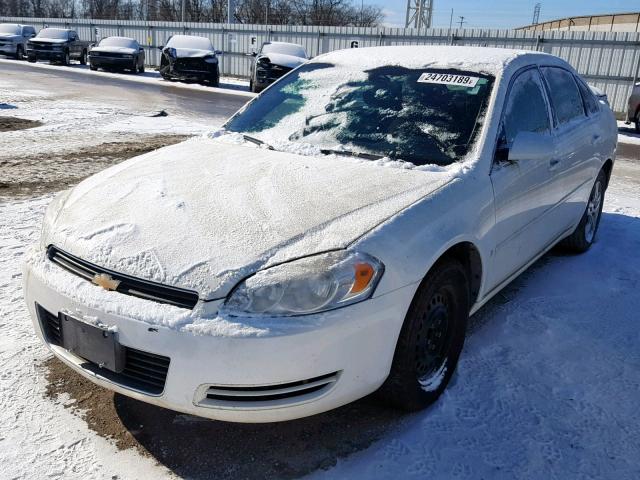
point(14, 37)
point(633, 113)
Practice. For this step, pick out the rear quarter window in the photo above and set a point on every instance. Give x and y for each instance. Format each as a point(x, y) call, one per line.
point(590, 102)
point(565, 97)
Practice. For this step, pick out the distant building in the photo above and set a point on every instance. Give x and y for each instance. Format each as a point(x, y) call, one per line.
point(613, 22)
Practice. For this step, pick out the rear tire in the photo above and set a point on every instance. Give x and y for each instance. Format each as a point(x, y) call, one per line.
point(19, 52)
point(92, 67)
point(83, 58)
point(66, 60)
point(585, 233)
point(31, 59)
point(431, 339)
point(637, 122)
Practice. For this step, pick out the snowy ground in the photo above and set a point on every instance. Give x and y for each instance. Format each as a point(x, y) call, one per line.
point(547, 387)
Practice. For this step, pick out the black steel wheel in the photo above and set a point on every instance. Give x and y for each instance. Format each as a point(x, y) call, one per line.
point(19, 52)
point(431, 339)
point(83, 58)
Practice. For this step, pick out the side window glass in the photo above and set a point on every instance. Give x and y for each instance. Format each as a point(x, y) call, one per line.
point(526, 109)
point(590, 103)
point(565, 97)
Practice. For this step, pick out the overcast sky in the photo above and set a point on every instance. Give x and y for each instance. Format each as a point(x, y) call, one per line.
point(502, 13)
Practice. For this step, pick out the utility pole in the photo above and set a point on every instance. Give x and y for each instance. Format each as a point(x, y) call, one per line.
point(461, 21)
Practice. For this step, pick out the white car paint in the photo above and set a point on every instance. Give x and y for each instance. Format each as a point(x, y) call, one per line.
point(207, 213)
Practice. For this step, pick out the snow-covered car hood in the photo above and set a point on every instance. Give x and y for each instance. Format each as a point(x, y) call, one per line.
point(284, 60)
point(192, 53)
point(204, 214)
point(49, 40)
point(125, 50)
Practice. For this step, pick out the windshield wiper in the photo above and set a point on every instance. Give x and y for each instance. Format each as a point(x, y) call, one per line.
point(257, 141)
point(348, 153)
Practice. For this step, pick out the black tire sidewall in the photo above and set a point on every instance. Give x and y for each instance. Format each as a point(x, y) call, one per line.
point(402, 387)
point(19, 52)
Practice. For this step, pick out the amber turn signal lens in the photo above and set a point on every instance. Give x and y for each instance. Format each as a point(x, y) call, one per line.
point(363, 275)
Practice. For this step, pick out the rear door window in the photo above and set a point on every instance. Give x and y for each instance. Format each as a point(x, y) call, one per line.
point(590, 102)
point(565, 97)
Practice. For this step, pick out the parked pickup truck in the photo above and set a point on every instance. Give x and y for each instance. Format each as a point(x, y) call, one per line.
point(57, 45)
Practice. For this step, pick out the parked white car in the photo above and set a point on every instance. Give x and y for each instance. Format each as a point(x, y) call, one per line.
point(331, 240)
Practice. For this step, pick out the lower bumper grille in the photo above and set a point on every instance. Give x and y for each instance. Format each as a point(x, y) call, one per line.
point(267, 395)
point(143, 371)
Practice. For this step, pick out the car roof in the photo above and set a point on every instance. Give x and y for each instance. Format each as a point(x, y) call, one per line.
point(482, 59)
point(283, 43)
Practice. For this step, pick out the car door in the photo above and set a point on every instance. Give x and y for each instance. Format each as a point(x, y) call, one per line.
point(577, 139)
point(73, 47)
point(525, 192)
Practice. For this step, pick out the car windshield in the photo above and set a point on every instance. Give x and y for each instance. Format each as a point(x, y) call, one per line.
point(184, 41)
point(55, 33)
point(284, 48)
point(10, 29)
point(423, 116)
point(119, 42)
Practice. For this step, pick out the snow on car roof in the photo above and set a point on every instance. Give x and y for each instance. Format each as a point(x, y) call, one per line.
point(484, 59)
point(286, 48)
point(190, 41)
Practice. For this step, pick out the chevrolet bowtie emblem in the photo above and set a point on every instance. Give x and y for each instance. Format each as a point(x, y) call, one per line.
point(105, 281)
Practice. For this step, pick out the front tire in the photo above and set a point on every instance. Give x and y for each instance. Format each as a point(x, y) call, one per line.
point(32, 59)
point(83, 58)
point(585, 233)
point(66, 60)
point(19, 52)
point(637, 121)
point(92, 67)
point(431, 339)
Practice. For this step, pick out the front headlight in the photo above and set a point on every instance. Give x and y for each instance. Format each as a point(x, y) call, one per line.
point(310, 285)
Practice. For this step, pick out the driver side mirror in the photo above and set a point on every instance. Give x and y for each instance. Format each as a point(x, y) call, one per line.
point(530, 146)
point(218, 52)
point(160, 47)
point(252, 54)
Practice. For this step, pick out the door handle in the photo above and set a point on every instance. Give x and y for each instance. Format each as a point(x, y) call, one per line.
point(553, 163)
point(594, 139)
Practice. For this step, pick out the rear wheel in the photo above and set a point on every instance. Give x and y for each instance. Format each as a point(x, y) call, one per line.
point(66, 59)
point(431, 339)
point(585, 233)
point(31, 59)
point(83, 58)
point(19, 52)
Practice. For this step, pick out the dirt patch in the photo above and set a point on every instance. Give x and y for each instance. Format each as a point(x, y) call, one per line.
point(11, 124)
point(40, 174)
point(198, 448)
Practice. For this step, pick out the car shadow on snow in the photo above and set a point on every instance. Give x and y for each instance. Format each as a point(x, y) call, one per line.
point(198, 448)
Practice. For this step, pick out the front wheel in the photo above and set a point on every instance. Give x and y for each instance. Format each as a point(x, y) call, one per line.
point(637, 122)
point(585, 233)
point(83, 58)
point(31, 59)
point(431, 339)
point(66, 60)
point(19, 52)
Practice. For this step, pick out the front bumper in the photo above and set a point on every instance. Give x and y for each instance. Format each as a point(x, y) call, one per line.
point(351, 347)
point(46, 54)
point(8, 48)
point(117, 62)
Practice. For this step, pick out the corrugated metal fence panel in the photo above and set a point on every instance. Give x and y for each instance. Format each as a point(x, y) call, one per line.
point(609, 60)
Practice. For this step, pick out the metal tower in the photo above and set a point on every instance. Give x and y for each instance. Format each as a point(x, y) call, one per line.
point(536, 13)
point(419, 13)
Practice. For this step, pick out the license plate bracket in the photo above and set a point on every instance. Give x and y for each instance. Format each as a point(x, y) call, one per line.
point(95, 344)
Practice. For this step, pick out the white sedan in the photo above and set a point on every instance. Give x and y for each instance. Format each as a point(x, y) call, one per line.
point(331, 240)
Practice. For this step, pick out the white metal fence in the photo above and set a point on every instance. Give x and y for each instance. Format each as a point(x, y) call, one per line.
point(609, 60)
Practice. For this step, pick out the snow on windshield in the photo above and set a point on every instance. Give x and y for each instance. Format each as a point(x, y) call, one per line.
point(119, 42)
point(284, 48)
point(10, 29)
point(55, 33)
point(424, 116)
point(186, 41)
